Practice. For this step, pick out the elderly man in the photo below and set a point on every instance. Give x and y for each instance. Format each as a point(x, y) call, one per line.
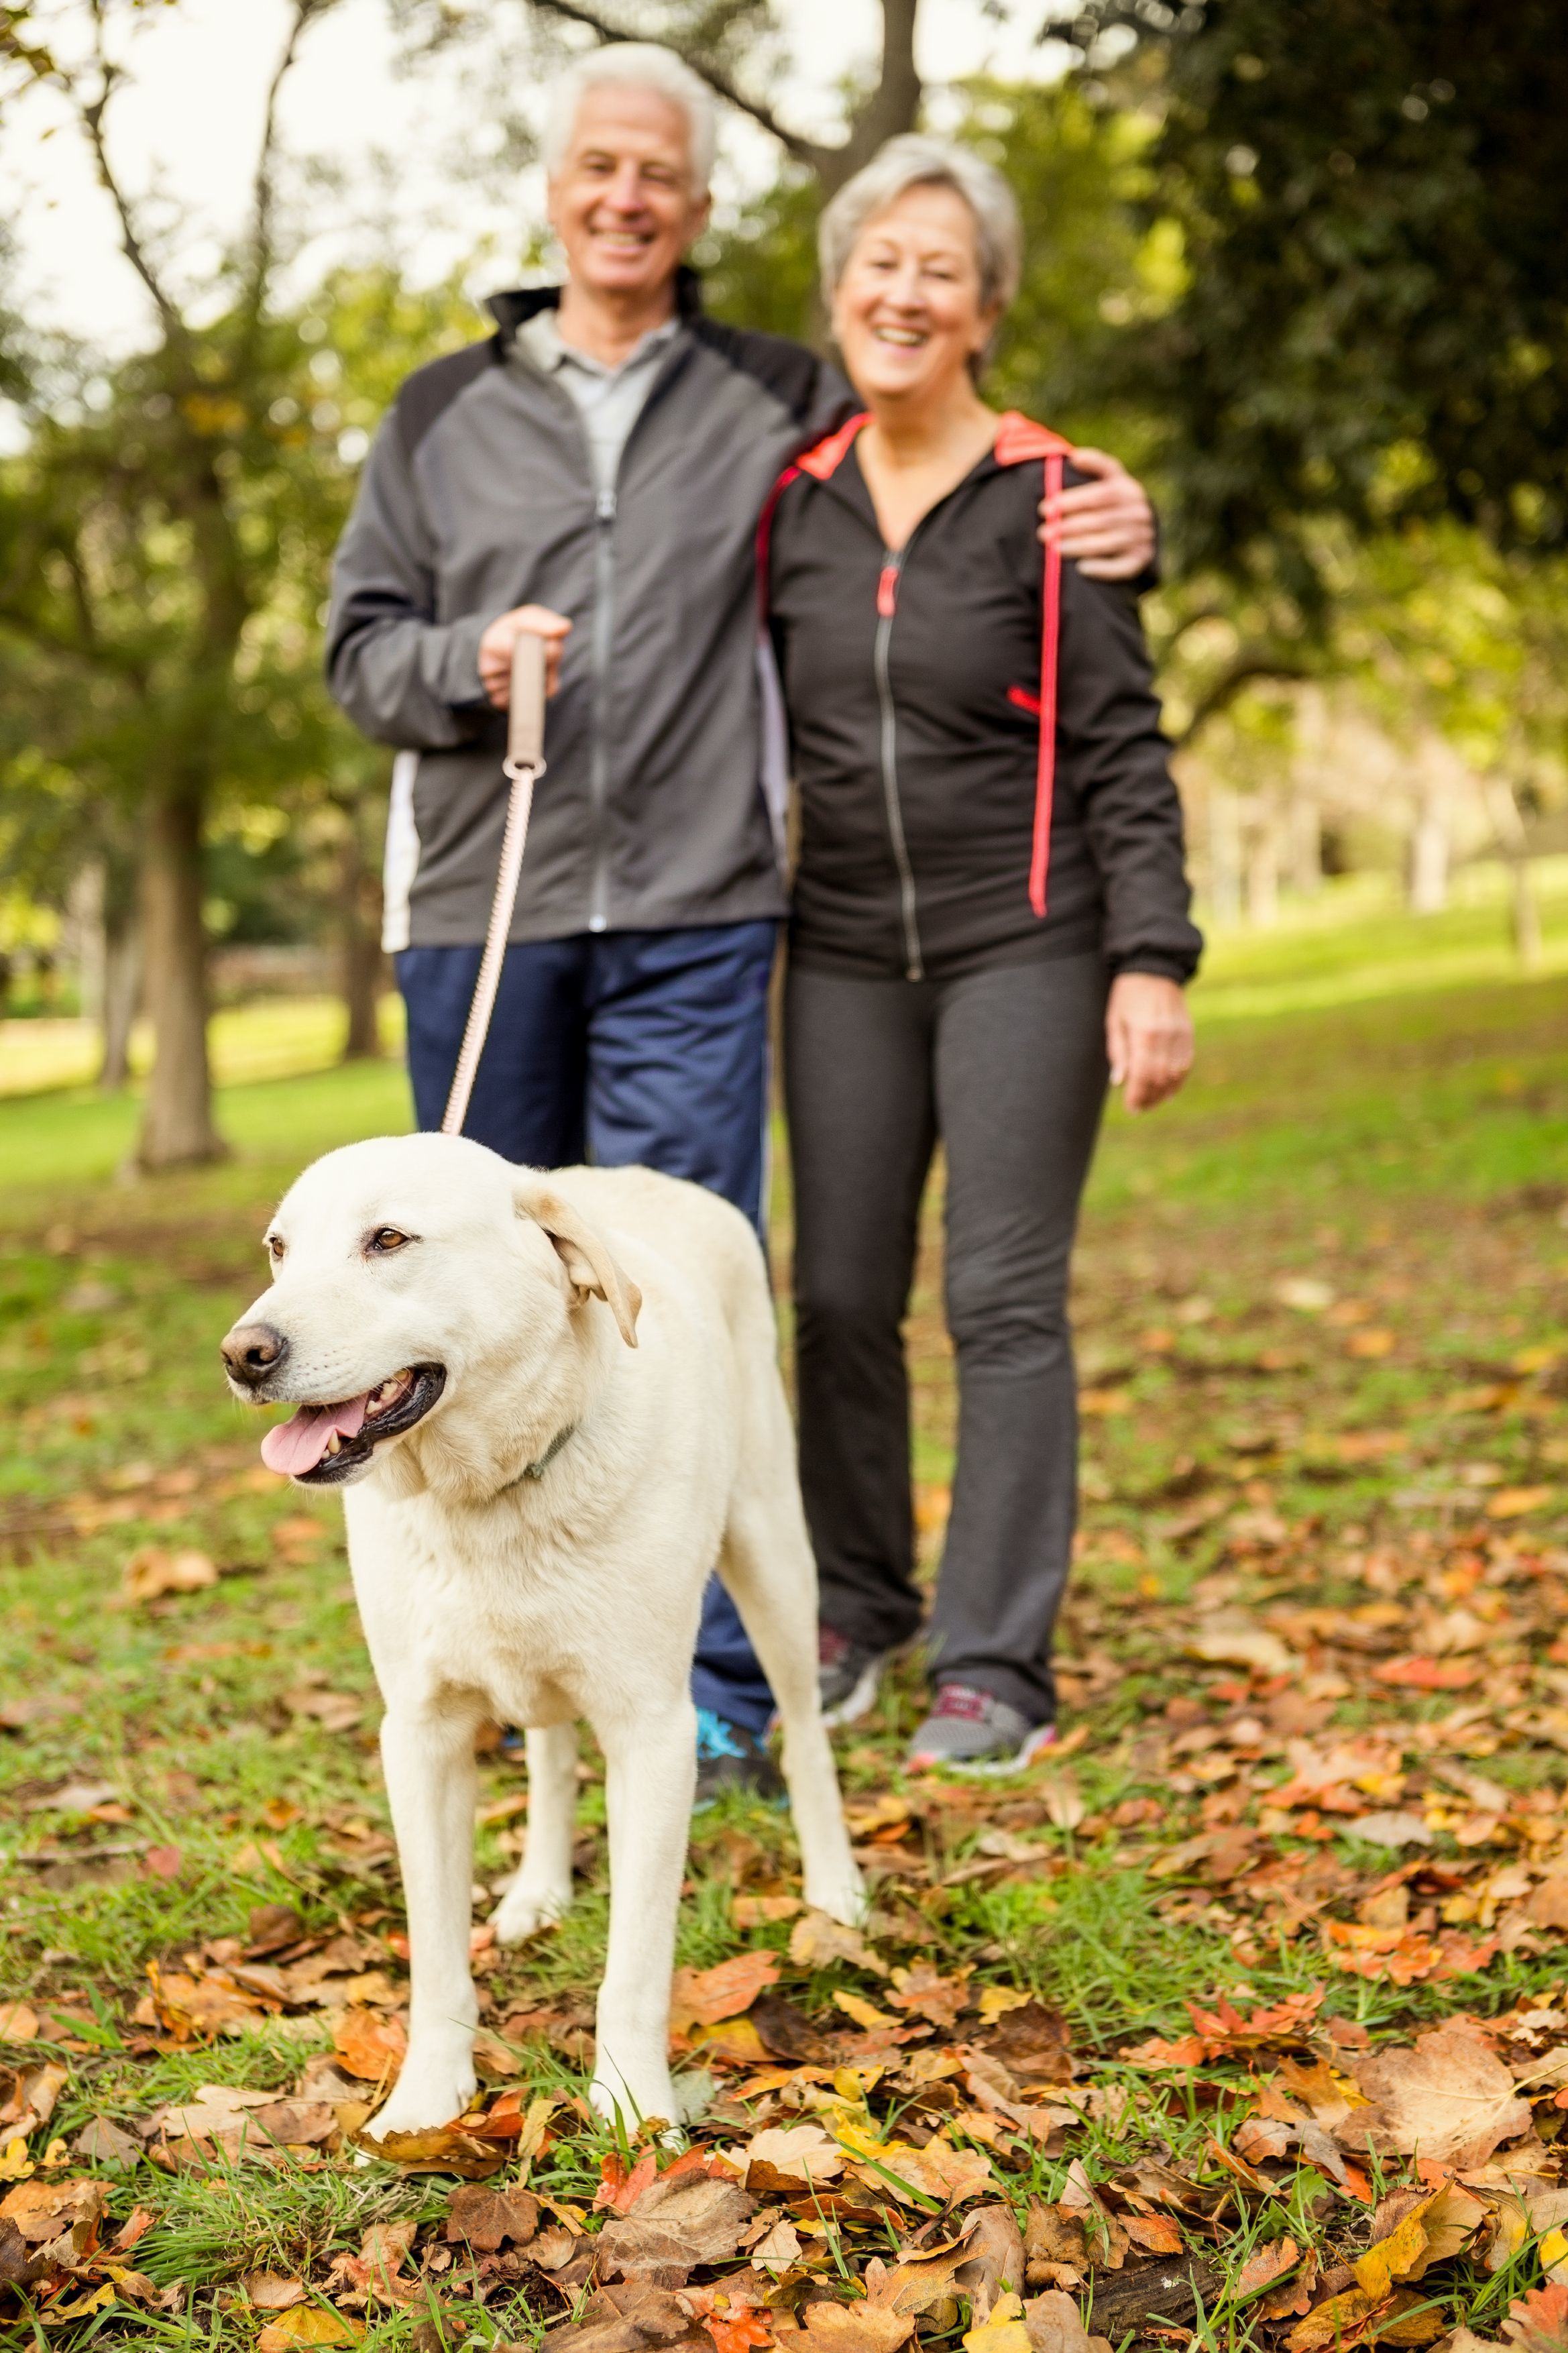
point(594, 472)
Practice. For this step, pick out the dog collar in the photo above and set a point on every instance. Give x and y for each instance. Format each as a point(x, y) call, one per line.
point(537, 1469)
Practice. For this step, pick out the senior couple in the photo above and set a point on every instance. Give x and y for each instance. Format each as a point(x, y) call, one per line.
point(988, 917)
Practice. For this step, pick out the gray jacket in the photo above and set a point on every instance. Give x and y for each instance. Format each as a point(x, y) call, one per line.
point(479, 495)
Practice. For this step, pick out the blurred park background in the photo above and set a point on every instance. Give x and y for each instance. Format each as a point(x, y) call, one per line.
point(1302, 267)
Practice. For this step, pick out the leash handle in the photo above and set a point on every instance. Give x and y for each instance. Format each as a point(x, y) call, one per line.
point(523, 765)
point(525, 719)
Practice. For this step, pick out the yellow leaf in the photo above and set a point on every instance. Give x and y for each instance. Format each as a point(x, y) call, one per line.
point(1553, 2253)
point(863, 2013)
point(1394, 2257)
point(15, 2165)
point(996, 2000)
point(1512, 1502)
point(1003, 2332)
point(309, 2324)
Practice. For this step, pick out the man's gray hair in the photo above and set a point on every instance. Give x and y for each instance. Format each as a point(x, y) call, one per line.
point(634, 65)
point(914, 161)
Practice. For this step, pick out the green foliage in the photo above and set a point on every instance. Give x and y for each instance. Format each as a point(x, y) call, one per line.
point(760, 271)
point(1374, 320)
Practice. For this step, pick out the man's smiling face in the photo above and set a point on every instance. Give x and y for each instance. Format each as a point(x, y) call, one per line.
point(622, 204)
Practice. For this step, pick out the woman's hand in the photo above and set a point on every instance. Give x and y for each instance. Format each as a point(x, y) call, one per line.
point(496, 649)
point(1108, 523)
point(1148, 1038)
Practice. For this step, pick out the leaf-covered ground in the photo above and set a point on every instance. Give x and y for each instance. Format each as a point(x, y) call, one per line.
point(1243, 2018)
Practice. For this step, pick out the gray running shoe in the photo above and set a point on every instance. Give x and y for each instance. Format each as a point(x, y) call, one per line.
point(971, 1731)
point(847, 1675)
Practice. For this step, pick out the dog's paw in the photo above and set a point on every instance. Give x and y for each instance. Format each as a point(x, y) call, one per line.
point(843, 1898)
point(424, 2097)
point(523, 1911)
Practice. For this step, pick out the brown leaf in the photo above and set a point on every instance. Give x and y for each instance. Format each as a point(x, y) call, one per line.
point(487, 2219)
point(272, 2291)
point(43, 2210)
point(1033, 2042)
point(1548, 1906)
point(1054, 2324)
point(853, 2328)
point(912, 2287)
point(817, 1941)
point(1268, 2264)
point(656, 2315)
point(1052, 2236)
point(678, 2224)
point(19, 2266)
point(18, 2023)
point(797, 2153)
point(994, 2260)
point(103, 2143)
point(926, 1993)
point(151, 1572)
point(441, 2150)
point(1450, 2097)
point(370, 2046)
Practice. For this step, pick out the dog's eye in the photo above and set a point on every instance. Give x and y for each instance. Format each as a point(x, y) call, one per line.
point(275, 1246)
point(387, 1239)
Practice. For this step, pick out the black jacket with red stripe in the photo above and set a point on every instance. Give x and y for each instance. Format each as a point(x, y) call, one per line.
point(912, 686)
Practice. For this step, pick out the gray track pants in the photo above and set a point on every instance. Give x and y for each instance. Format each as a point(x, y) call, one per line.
point(1007, 1068)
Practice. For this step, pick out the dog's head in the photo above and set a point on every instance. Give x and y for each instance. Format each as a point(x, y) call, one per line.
point(407, 1272)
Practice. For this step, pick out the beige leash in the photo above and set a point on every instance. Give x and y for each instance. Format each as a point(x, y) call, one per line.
point(524, 766)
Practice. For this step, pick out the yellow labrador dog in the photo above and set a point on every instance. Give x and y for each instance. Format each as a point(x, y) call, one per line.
point(554, 1404)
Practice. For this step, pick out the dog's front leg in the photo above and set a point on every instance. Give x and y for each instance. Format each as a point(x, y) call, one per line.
point(650, 1775)
point(543, 1889)
point(427, 1751)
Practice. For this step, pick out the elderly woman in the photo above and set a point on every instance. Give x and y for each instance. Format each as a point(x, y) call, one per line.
point(990, 917)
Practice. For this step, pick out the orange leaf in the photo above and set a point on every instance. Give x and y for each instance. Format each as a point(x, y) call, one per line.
point(703, 1996)
point(737, 2335)
point(369, 2046)
point(1427, 1675)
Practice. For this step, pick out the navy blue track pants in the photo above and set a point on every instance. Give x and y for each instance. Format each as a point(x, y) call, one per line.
point(620, 1047)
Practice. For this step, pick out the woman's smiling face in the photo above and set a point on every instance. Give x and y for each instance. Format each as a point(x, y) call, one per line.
point(907, 314)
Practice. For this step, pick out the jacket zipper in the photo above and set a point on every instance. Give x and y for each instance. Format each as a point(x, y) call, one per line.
point(887, 606)
point(599, 756)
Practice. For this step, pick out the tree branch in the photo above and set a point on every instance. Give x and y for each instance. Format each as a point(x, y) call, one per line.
point(92, 113)
point(1229, 684)
point(804, 151)
point(264, 196)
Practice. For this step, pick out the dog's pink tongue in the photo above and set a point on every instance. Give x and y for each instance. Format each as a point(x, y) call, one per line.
point(299, 1443)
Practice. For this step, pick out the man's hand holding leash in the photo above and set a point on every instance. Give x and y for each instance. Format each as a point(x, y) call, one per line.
point(496, 649)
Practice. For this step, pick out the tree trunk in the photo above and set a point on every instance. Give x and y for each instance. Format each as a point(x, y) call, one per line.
point(177, 1126)
point(1225, 855)
point(1526, 916)
point(121, 997)
point(359, 908)
point(1427, 892)
point(1263, 868)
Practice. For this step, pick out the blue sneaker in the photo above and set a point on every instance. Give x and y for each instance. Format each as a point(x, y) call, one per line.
point(730, 1758)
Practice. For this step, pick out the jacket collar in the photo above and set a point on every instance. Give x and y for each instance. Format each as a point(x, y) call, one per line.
point(513, 310)
point(1018, 440)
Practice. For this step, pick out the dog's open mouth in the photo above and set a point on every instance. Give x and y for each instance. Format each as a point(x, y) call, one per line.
point(321, 1444)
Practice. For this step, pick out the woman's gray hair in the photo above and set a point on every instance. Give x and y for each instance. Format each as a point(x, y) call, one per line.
point(914, 161)
point(633, 65)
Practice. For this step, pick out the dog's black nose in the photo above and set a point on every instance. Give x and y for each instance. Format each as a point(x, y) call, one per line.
point(253, 1353)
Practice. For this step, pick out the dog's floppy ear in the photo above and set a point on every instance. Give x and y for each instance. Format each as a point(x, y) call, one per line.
point(584, 1254)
